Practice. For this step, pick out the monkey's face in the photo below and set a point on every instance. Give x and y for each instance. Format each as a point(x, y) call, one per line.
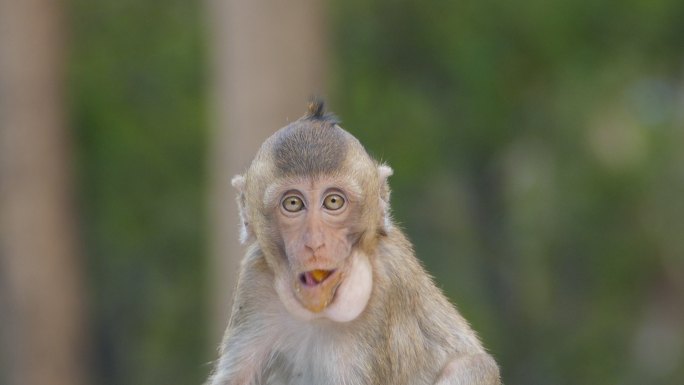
point(321, 274)
point(316, 203)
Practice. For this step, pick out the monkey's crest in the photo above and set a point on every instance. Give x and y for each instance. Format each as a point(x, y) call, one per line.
point(316, 108)
point(316, 111)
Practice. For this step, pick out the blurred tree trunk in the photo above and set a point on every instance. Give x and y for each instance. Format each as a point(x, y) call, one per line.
point(41, 314)
point(268, 58)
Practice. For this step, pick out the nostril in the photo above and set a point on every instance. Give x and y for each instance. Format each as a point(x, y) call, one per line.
point(315, 247)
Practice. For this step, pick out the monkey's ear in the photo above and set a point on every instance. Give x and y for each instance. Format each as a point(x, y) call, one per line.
point(246, 233)
point(384, 172)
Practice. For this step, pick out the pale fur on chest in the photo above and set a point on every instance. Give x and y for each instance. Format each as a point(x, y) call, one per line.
point(322, 352)
point(312, 352)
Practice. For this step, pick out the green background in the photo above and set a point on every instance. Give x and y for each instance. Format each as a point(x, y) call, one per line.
point(538, 170)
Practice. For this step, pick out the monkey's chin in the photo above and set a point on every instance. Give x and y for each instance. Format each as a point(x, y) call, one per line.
point(341, 297)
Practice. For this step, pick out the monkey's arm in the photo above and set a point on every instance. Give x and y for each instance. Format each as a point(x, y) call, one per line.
point(471, 369)
point(246, 347)
point(453, 354)
point(237, 365)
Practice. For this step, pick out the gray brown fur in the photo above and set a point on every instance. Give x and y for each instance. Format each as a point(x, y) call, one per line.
point(309, 146)
point(408, 333)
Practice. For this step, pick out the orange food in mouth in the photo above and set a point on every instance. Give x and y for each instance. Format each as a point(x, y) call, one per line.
point(320, 275)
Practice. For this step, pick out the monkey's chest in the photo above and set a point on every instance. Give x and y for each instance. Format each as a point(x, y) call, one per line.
point(320, 359)
point(287, 374)
point(334, 360)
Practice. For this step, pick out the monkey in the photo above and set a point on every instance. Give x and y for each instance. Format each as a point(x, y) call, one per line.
point(330, 291)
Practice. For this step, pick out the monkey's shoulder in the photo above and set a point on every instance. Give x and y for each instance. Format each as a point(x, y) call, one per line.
point(413, 300)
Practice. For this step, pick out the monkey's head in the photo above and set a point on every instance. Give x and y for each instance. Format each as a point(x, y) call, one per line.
point(317, 204)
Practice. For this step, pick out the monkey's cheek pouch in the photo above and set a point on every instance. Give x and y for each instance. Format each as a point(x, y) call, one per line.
point(317, 298)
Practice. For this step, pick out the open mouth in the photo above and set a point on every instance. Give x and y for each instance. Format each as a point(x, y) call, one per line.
point(314, 277)
point(315, 289)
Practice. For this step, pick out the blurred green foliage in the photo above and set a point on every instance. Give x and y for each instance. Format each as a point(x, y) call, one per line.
point(538, 169)
point(137, 103)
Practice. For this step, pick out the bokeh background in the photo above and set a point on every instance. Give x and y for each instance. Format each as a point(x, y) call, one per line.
point(537, 149)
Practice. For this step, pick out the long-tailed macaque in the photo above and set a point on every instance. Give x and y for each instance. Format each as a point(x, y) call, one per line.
point(330, 292)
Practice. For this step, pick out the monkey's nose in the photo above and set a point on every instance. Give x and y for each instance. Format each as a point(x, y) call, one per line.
point(315, 244)
point(314, 238)
point(314, 277)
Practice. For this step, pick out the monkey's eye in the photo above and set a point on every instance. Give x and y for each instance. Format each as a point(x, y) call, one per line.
point(333, 202)
point(293, 204)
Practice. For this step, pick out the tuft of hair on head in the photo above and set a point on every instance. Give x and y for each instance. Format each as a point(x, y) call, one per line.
point(315, 108)
point(316, 111)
